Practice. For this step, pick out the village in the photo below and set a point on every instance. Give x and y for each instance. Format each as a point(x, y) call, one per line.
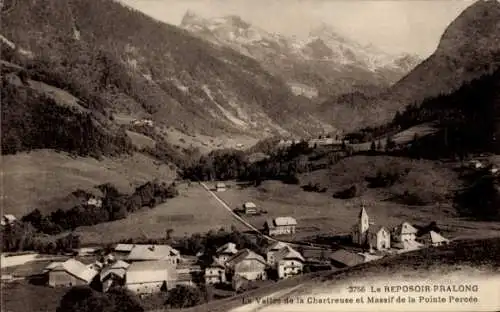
point(149, 269)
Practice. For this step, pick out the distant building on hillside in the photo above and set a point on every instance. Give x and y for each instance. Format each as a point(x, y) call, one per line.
point(250, 208)
point(8, 219)
point(280, 226)
point(92, 201)
point(220, 187)
point(149, 277)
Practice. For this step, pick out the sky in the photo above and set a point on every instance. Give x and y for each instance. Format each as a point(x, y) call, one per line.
point(413, 26)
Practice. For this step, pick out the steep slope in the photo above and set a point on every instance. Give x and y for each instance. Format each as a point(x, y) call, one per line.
point(326, 62)
point(124, 62)
point(468, 49)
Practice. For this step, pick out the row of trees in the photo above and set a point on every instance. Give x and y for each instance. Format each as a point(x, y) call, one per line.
point(115, 206)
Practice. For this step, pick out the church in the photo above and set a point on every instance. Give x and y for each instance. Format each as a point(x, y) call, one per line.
point(378, 238)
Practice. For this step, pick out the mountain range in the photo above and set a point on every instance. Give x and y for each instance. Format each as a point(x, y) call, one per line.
point(324, 64)
point(468, 49)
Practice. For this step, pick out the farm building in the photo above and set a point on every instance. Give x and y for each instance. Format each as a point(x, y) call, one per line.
point(113, 274)
point(215, 273)
point(250, 208)
point(148, 277)
point(272, 250)
point(225, 252)
point(247, 264)
point(154, 252)
point(288, 262)
point(433, 239)
point(8, 219)
point(343, 258)
point(220, 187)
point(404, 232)
point(280, 226)
point(69, 273)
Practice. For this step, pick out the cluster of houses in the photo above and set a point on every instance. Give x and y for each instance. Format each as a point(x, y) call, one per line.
point(148, 269)
point(240, 267)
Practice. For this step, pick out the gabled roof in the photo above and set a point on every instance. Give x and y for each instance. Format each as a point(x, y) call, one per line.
point(276, 246)
point(119, 268)
point(280, 221)
point(152, 252)
point(433, 237)
point(228, 248)
point(376, 230)
point(77, 269)
point(288, 253)
point(150, 272)
point(216, 263)
point(52, 266)
point(249, 205)
point(244, 254)
point(124, 247)
point(405, 228)
point(10, 217)
point(347, 258)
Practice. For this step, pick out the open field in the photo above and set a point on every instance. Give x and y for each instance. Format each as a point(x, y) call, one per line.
point(196, 211)
point(23, 297)
point(193, 211)
point(39, 178)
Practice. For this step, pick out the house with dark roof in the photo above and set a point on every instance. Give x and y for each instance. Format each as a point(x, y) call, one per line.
point(433, 239)
point(247, 264)
point(280, 226)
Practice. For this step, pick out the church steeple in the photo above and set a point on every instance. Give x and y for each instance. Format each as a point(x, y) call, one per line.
point(364, 220)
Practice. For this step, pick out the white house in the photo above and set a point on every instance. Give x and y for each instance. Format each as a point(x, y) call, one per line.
point(288, 262)
point(215, 273)
point(69, 273)
point(149, 277)
point(280, 226)
point(404, 232)
point(379, 238)
point(247, 264)
point(250, 208)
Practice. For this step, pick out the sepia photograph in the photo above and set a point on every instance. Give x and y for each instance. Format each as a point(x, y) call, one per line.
point(250, 155)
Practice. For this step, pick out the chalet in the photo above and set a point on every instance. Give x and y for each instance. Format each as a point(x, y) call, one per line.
point(69, 273)
point(215, 273)
point(154, 252)
point(288, 262)
point(343, 258)
point(379, 238)
point(280, 226)
point(8, 219)
point(433, 239)
point(272, 250)
point(225, 252)
point(247, 264)
point(249, 208)
point(149, 277)
point(404, 232)
point(220, 187)
point(113, 275)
